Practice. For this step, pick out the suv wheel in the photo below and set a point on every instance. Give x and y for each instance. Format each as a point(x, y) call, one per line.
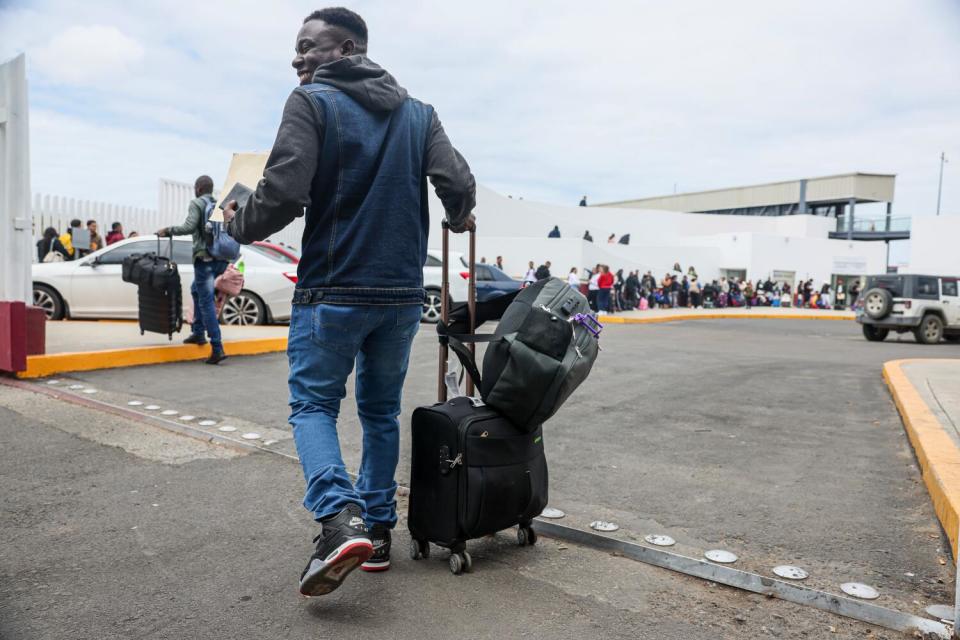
point(930, 330)
point(874, 333)
point(877, 303)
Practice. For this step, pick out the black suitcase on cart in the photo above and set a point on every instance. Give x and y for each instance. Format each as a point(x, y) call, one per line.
point(472, 472)
point(159, 293)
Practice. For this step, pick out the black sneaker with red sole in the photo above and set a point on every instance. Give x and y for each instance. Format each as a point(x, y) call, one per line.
point(380, 560)
point(342, 546)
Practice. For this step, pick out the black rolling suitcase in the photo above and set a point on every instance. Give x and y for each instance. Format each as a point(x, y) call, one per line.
point(159, 293)
point(473, 473)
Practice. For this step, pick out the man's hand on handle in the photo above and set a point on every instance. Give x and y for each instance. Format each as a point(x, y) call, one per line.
point(470, 224)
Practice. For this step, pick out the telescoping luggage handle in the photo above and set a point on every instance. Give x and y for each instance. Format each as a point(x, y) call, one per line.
point(445, 308)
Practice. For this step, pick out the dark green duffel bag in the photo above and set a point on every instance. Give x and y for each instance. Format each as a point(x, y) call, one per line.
point(543, 348)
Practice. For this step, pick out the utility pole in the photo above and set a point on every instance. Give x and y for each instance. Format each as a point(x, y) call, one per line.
point(943, 159)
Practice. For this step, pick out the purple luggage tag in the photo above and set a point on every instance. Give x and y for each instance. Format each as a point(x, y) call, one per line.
point(588, 322)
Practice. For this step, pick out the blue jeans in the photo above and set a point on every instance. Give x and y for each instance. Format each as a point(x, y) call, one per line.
point(603, 299)
point(204, 307)
point(325, 342)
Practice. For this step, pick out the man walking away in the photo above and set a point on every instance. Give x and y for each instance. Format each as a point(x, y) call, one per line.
point(205, 270)
point(555, 233)
point(355, 150)
point(583, 201)
point(586, 234)
point(500, 263)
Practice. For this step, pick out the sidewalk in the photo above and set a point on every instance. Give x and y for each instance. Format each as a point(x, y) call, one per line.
point(759, 313)
point(927, 394)
point(85, 346)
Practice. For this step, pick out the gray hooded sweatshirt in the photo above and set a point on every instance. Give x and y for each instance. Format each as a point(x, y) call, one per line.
point(284, 190)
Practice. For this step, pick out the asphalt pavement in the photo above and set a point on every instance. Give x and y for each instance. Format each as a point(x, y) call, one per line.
point(774, 439)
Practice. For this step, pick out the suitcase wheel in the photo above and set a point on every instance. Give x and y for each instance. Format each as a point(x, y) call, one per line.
point(419, 549)
point(526, 536)
point(460, 562)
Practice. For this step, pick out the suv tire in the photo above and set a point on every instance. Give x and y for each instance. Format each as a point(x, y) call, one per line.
point(930, 330)
point(873, 333)
point(877, 303)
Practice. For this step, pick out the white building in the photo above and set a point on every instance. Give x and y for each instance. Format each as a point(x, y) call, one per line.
point(783, 248)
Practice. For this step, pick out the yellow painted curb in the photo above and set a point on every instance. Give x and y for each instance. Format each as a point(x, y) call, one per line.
point(723, 316)
point(47, 365)
point(936, 452)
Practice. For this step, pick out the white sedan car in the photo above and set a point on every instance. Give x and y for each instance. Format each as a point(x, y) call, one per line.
point(91, 287)
point(432, 282)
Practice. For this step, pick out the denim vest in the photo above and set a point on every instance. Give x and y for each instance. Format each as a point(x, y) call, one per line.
point(365, 236)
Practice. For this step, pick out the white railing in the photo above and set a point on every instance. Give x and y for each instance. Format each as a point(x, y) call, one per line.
point(173, 200)
point(58, 211)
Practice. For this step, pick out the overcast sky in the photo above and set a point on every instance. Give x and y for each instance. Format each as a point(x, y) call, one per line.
point(548, 100)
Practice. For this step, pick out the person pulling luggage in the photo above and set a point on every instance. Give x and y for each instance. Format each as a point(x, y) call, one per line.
point(206, 268)
point(359, 293)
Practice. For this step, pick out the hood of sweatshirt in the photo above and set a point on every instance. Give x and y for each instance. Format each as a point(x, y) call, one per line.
point(363, 80)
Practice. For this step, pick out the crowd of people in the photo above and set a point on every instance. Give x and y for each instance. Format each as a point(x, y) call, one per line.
point(77, 241)
point(609, 291)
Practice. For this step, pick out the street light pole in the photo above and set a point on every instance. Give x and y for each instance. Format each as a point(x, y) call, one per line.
point(943, 159)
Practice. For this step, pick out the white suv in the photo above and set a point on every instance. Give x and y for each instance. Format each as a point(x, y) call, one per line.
point(928, 306)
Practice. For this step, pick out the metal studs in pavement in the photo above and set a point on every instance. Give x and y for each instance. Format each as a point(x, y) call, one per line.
point(169, 412)
point(251, 436)
point(89, 391)
point(860, 590)
point(207, 423)
point(551, 513)
point(152, 407)
point(226, 428)
point(76, 386)
point(790, 572)
point(660, 540)
point(135, 403)
point(603, 525)
point(721, 556)
point(53, 382)
point(187, 418)
point(941, 612)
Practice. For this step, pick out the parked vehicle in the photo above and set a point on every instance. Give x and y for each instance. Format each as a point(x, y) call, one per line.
point(433, 279)
point(927, 306)
point(280, 252)
point(91, 287)
point(492, 282)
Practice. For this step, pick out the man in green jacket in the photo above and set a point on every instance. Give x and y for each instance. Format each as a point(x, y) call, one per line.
point(205, 270)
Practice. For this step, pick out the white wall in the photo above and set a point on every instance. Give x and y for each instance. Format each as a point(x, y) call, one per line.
point(935, 245)
point(15, 233)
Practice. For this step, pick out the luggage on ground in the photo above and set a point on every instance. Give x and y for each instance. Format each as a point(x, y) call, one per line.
point(472, 471)
point(159, 293)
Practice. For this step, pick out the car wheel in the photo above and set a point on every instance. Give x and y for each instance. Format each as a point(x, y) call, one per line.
point(874, 333)
point(930, 330)
point(243, 309)
point(877, 303)
point(431, 306)
point(49, 300)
